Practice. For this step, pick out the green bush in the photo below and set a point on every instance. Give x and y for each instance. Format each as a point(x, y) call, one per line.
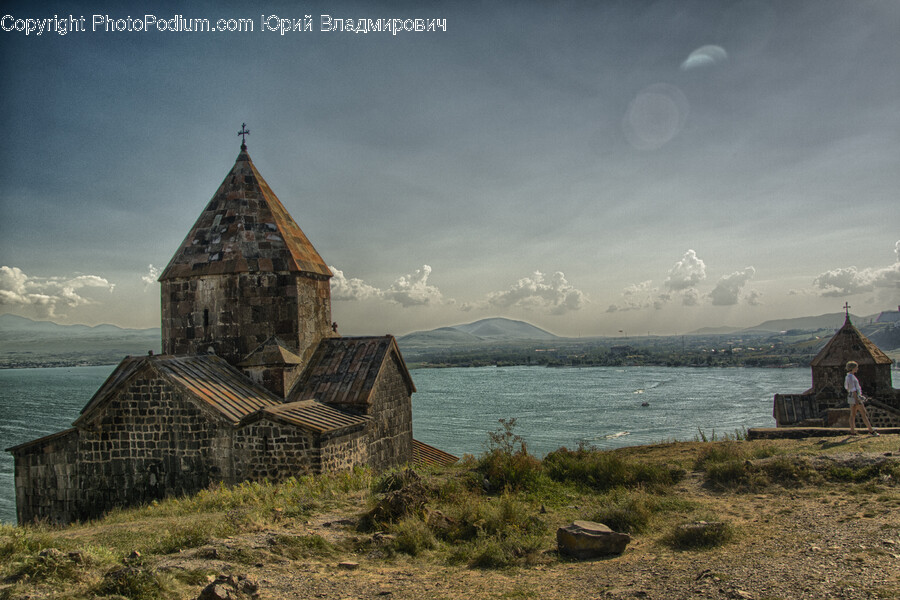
point(627, 513)
point(701, 535)
point(602, 471)
point(731, 474)
point(412, 536)
point(720, 453)
point(507, 465)
point(135, 583)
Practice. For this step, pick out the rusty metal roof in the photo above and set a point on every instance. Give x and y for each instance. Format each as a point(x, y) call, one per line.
point(849, 344)
point(272, 352)
point(208, 378)
point(313, 415)
point(244, 229)
point(423, 454)
point(343, 371)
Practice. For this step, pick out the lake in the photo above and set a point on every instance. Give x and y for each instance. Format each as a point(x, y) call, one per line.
point(454, 409)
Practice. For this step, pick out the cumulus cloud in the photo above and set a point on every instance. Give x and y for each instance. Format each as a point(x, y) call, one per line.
point(407, 290)
point(850, 280)
point(554, 294)
point(640, 295)
point(351, 289)
point(151, 277)
point(728, 289)
point(686, 273)
point(46, 295)
point(413, 289)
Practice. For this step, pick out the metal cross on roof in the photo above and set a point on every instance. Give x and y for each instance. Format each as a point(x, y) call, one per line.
point(243, 133)
point(847, 309)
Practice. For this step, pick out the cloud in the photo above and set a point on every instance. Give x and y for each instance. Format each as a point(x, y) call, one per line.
point(351, 289)
point(151, 277)
point(690, 297)
point(850, 280)
point(686, 273)
point(639, 296)
point(407, 290)
point(897, 250)
point(704, 56)
point(413, 289)
point(728, 289)
point(555, 295)
point(45, 295)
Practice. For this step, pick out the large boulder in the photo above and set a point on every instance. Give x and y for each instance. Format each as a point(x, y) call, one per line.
point(587, 539)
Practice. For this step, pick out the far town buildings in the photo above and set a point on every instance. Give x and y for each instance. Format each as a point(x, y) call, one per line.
point(254, 381)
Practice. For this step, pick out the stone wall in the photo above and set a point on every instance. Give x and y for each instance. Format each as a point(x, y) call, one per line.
point(270, 450)
point(232, 314)
point(345, 449)
point(47, 484)
point(151, 442)
point(391, 412)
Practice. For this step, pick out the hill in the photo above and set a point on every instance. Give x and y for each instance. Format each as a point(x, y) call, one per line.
point(495, 329)
point(28, 343)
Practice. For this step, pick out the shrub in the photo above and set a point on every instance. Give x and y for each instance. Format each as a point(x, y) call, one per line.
point(136, 584)
point(719, 453)
point(731, 474)
point(789, 472)
point(50, 564)
point(412, 536)
point(601, 471)
point(700, 535)
point(507, 465)
point(628, 513)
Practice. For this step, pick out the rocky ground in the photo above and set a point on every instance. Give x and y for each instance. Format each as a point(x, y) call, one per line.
point(838, 541)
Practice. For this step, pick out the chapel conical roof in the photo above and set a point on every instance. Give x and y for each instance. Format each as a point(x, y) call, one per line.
point(244, 229)
point(849, 344)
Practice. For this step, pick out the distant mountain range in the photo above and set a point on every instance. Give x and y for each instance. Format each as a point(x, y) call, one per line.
point(25, 342)
point(829, 321)
point(496, 329)
point(28, 343)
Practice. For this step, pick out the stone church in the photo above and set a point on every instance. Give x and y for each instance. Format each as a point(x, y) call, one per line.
point(254, 382)
point(825, 403)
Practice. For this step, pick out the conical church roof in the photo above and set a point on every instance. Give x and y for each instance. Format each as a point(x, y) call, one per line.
point(849, 344)
point(244, 229)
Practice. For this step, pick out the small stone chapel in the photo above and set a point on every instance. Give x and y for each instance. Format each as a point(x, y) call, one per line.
point(825, 403)
point(254, 382)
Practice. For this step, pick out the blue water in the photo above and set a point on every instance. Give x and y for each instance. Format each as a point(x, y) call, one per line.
point(455, 408)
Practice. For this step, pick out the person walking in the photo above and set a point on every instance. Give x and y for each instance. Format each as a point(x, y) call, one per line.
point(855, 398)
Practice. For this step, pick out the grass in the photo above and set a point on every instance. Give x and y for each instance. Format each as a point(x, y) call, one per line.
point(496, 511)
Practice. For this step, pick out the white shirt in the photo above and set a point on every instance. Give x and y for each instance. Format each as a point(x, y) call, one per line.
point(851, 384)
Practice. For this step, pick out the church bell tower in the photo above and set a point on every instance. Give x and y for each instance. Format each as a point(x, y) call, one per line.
point(245, 273)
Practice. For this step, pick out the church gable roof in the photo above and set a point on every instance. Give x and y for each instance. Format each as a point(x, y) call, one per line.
point(244, 229)
point(849, 344)
point(210, 380)
point(311, 415)
point(344, 370)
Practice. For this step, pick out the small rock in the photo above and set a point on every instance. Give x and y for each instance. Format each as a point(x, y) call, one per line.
point(227, 587)
point(348, 565)
point(587, 539)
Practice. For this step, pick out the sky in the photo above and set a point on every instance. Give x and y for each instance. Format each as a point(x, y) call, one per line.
point(593, 168)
